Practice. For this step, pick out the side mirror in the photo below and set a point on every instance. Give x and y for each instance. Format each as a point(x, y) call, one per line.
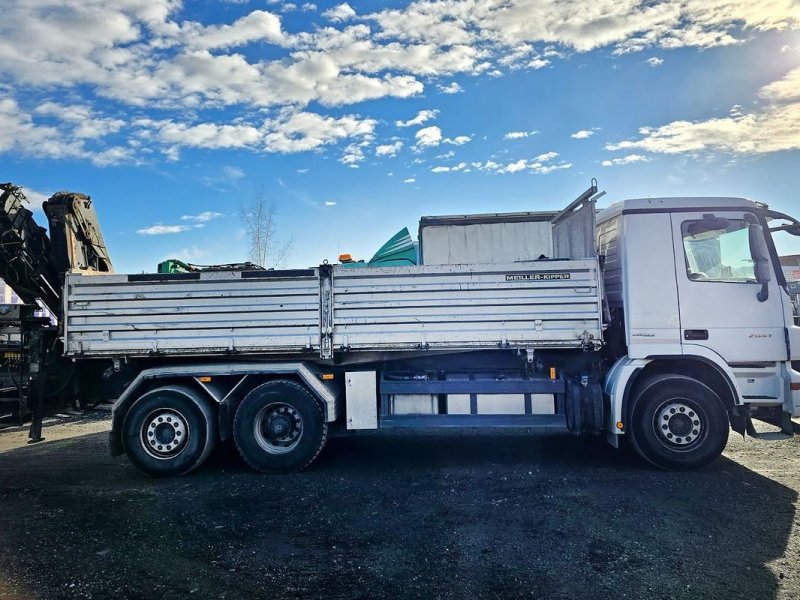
point(761, 262)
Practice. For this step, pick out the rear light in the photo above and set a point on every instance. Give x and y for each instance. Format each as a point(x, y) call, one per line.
point(795, 386)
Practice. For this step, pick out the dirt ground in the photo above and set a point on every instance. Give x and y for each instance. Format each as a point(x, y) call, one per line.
point(489, 515)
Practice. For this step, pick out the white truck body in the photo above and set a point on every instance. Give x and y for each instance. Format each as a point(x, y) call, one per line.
point(666, 319)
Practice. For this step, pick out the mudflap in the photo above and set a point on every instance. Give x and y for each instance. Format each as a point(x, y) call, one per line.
point(740, 420)
point(584, 404)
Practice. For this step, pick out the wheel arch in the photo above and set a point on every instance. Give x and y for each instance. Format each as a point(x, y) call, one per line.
point(306, 373)
point(699, 368)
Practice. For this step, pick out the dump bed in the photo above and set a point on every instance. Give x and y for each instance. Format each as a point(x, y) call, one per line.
point(548, 303)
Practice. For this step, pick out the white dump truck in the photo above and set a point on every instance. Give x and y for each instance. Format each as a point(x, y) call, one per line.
point(662, 320)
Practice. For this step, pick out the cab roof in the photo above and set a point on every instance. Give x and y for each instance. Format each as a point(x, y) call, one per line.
point(677, 204)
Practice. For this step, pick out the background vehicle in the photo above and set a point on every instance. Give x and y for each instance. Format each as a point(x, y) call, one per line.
point(666, 320)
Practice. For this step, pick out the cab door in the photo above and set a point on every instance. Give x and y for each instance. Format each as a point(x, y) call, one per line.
point(718, 294)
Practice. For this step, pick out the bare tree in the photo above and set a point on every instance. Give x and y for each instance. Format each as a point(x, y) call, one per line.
point(264, 247)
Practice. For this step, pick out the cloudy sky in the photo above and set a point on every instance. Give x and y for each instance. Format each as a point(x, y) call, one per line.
point(358, 118)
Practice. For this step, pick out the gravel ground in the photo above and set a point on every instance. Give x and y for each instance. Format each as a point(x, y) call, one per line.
point(454, 515)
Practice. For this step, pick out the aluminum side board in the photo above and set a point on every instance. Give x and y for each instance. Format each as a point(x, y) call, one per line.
point(548, 303)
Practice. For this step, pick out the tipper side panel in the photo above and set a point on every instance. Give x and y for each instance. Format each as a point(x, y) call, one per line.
point(252, 312)
point(549, 303)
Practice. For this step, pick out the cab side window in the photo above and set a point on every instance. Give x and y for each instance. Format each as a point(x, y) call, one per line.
point(721, 255)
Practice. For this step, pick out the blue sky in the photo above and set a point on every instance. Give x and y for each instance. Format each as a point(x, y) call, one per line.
point(356, 119)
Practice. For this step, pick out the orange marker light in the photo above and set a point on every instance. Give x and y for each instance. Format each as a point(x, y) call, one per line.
point(204, 379)
point(620, 425)
point(327, 376)
point(552, 372)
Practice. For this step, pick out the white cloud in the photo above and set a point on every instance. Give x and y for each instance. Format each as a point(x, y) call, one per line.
point(208, 135)
point(159, 229)
point(625, 160)
point(259, 25)
point(308, 6)
point(786, 89)
point(518, 135)
point(451, 88)
point(423, 116)
point(203, 217)
point(300, 131)
point(428, 136)
point(68, 134)
point(353, 154)
point(388, 149)
point(330, 203)
point(582, 134)
point(445, 169)
point(538, 63)
point(85, 123)
point(341, 12)
point(459, 140)
point(232, 172)
point(409, 180)
point(540, 165)
point(773, 128)
point(654, 61)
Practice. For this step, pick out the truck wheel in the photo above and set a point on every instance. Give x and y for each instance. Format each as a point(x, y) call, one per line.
point(678, 423)
point(279, 427)
point(169, 431)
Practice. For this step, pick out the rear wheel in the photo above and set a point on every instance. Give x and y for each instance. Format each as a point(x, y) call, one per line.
point(678, 423)
point(169, 431)
point(279, 427)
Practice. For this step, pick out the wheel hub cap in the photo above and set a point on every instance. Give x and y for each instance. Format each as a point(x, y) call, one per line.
point(164, 433)
point(677, 423)
point(278, 428)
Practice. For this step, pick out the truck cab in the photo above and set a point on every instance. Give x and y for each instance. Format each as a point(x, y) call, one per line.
point(694, 286)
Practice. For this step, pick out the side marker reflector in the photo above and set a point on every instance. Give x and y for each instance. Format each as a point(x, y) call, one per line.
point(327, 376)
point(620, 425)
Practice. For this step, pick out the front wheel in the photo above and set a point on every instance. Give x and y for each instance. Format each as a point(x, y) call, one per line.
point(279, 427)
point(678, 423)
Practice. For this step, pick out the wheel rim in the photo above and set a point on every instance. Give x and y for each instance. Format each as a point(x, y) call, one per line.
point(278, 428)
point(164, 433)
point(680, 424)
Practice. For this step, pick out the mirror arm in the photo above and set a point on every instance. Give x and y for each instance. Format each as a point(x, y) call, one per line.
point(763, 295)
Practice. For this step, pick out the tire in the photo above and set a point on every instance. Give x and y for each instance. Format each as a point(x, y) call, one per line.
point(279, 427)
point(175, 416)
point(678, 423)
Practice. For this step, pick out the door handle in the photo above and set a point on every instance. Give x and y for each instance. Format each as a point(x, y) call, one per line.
point(695, 334)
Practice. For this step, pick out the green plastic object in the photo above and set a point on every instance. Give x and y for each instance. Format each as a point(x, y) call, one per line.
point(399, 251)
point(173, 265)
